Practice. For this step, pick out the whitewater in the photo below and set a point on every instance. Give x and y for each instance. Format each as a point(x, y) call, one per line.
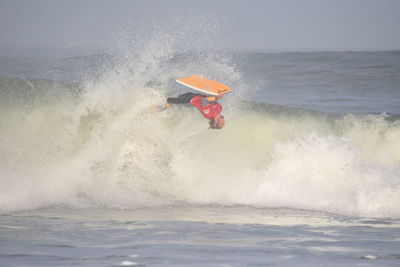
point(306, 171)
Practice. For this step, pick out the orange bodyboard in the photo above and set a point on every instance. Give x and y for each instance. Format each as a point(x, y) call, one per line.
point(204, 85)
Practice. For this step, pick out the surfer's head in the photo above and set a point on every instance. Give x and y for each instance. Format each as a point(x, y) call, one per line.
point(218, 122)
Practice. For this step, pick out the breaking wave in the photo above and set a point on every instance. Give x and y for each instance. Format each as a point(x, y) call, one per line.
point(97, 144)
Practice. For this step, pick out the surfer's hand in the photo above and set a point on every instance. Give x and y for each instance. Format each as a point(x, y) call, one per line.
point(219, 96)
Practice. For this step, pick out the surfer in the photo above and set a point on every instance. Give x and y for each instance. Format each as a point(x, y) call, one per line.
point(207, 105)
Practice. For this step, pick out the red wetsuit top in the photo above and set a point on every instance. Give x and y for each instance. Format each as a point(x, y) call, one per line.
point(209, 111)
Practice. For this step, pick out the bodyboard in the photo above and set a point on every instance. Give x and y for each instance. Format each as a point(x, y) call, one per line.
point(204, 85)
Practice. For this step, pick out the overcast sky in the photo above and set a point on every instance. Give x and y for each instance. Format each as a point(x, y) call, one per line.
point(232, 24)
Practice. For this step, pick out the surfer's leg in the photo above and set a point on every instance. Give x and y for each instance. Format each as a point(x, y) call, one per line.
point(182, 99)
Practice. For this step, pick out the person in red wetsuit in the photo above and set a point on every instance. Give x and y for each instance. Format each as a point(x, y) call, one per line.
point(211, 110)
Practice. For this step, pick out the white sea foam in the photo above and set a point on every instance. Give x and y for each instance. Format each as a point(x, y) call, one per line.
point(128, 263)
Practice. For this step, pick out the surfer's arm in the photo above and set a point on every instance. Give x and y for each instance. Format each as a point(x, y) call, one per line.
point(214, 98)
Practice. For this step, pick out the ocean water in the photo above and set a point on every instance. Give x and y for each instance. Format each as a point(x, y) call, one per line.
point(306, 171)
